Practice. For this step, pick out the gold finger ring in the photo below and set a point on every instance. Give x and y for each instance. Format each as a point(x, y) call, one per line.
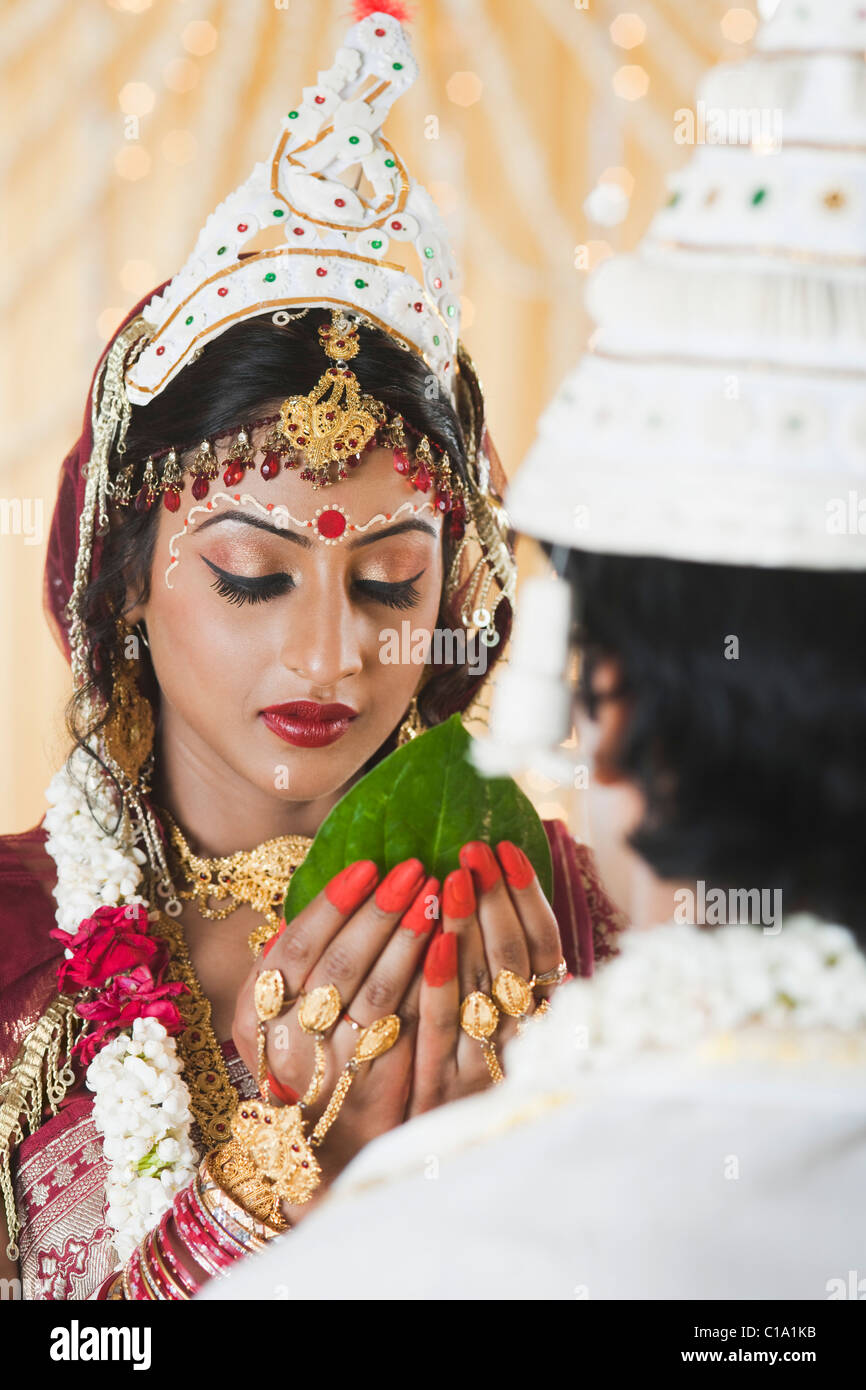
point(512, 993)
point(373, 1042)
point(479, 1019)
point(347, 1018)
point(550, 977)
point(269, 999)
point(319, 1011)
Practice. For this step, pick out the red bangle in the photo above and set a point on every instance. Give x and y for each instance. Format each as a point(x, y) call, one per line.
point(207, 1219)
point(202, 1245)
point(152, 1265)
point(191, 1237)
point(188, 1283)
point(135, 1279)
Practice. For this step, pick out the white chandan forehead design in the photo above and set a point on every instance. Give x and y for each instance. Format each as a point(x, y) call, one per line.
point(336, 234)
point(330, 524)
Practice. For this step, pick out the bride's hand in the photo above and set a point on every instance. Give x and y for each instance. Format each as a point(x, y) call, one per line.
point(370, 945)
point(494, 917)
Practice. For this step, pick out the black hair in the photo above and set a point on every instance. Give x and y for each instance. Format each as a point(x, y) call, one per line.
point(226, 387)
point(747, 720)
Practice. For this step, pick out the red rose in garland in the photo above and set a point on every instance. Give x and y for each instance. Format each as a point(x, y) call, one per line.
point(112, 952)
point(112, 942)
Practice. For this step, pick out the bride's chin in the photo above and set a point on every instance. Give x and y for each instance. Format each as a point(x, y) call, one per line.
point(310, 774)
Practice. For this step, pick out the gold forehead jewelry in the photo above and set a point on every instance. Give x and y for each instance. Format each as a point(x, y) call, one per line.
point(258, 877)
point(479, 1019)
point(335, 421)
point(373, 1042)
point(318, 1013)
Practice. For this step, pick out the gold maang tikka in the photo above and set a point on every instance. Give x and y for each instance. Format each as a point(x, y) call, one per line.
point(335, 421)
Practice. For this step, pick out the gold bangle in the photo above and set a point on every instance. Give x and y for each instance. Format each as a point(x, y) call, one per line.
point(233, 1220)
point(216, 1192)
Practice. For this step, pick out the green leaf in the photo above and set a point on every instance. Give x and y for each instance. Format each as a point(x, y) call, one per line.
point(423, 801)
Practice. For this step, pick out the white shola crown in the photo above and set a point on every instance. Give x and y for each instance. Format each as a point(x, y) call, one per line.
point(720, 414)
point(336, 236)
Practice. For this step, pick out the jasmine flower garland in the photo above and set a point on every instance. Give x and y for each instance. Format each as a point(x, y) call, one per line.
point(141, 1102)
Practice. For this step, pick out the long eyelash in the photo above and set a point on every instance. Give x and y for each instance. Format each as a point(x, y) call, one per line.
point(240, 590)
point(403, 595)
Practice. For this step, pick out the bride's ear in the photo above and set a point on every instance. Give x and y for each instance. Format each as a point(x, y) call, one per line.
point(602, 736)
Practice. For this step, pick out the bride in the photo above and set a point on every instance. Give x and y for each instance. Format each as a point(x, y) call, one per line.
point(284, 456)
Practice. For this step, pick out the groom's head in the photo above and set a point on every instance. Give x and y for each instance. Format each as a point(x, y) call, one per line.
point(733, 701)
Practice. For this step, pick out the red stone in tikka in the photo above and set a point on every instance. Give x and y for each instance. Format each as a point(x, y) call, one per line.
point(270, 465)
point(171, 499)
point(200, 489)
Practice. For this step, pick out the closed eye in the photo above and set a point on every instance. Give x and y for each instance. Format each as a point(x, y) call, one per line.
point(401, 595)
point(240, 589)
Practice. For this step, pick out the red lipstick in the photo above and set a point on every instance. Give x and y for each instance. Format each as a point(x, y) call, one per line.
point(307, 724)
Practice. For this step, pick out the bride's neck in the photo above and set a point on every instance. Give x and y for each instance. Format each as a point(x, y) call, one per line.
point(219, 811)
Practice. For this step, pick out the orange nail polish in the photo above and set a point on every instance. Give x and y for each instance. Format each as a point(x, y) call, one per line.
point(275, 938)
point(458, 894)
point(482, 861)
point(399, 887)
point(348, 889)
point(440, 966)
point(519, 872)
point(423, 913)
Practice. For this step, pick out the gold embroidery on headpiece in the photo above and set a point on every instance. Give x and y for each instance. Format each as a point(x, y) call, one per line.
point(335, 421)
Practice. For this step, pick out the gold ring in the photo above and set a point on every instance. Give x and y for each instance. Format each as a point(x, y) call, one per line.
point(319, 1011)
point(346, 1017)
point(269, 994)
point(479, 1019)
point(512, 993)
point(373, 1042)
point(550, 977)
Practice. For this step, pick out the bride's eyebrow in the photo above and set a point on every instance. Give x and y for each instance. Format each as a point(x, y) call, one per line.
point(259, 524)
point(397, 529)
point(381, 533)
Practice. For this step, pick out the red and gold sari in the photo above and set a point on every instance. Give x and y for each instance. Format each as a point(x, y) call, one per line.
point(57, 1166)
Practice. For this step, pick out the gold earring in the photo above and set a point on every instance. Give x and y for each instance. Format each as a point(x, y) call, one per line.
point(128, 731)
point(412, 725)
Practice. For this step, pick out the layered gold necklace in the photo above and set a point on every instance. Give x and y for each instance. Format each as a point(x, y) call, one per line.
point(257, 877)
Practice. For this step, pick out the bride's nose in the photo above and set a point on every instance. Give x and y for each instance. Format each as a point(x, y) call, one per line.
point(323, 639)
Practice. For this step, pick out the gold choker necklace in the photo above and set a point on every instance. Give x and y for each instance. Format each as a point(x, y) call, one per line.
point(258, 877)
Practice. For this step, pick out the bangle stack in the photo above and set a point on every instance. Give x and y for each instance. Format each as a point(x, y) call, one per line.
point(216, 1230)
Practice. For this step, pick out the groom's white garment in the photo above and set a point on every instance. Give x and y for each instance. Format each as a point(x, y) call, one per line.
point(666, 1132)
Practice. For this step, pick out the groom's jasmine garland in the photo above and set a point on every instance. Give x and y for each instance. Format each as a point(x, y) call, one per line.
point(142, 1104)
point(680, 987)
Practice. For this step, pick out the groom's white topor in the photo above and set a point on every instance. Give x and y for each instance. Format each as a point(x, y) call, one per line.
point(721, 412)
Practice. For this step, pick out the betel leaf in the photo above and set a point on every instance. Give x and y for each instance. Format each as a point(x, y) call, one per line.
point(424, 801)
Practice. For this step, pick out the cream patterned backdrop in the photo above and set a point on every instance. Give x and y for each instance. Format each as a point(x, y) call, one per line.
point(124, 123)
